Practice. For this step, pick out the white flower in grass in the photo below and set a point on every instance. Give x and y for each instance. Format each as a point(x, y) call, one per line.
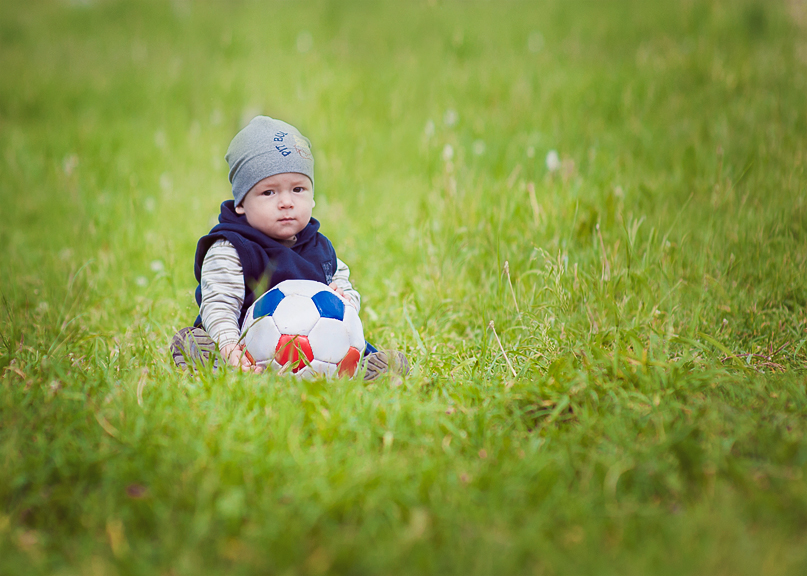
point(450, 117)
point(479, 147)
point(166, 182)
point(141, 281)
point(157, 266)
point(428, 130)
point(552, 161)
point(448, 152)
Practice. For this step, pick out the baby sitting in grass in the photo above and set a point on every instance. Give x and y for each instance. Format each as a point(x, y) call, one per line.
point(265, 234)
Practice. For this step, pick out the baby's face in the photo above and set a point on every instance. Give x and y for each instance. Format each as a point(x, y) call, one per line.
point(280, 205)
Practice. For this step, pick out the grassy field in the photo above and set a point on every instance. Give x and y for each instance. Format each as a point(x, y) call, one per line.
point(584, 222)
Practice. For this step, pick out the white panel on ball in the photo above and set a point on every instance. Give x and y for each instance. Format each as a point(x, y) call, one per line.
point(354, 328)
point(305, 288)
point(329, 340)
point(305, 373)
point(261, 339)
point(296, 315)
point(325, 368)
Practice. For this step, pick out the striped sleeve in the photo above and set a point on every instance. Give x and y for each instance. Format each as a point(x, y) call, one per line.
point(342, 280)
point(222, 292)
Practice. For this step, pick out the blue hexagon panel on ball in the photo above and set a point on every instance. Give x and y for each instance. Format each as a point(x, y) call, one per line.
point(267, 304)
point(330, 305)
point(305, 328)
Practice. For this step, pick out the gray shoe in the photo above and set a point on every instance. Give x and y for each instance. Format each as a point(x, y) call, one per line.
point(383, 362)
point(192, 347)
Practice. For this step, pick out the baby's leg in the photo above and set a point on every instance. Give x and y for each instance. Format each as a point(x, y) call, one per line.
point(191, 348)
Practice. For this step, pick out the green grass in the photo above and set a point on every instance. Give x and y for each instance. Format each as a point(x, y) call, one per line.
point(651, 414)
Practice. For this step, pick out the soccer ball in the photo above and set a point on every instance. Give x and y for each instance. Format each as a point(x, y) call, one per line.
point(306, 328)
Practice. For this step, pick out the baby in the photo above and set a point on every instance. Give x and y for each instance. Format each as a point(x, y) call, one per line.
point(265, 235)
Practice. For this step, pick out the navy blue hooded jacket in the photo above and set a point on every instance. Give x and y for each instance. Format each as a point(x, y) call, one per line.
point(267, 262)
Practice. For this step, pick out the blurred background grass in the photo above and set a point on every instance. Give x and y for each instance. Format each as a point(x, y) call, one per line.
point(653, 307)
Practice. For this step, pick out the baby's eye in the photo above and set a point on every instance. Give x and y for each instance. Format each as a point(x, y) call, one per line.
point(299, 189)
point(268, 192)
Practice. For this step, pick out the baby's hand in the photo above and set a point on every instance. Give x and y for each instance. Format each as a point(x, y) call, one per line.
point(240, 358)
point(338, 290)
point(341, 292)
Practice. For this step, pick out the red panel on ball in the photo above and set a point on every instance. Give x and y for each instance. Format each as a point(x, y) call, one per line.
point(349, 362)
point(294, 349)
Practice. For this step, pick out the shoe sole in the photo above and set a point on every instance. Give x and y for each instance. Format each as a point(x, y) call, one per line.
point(380, 363)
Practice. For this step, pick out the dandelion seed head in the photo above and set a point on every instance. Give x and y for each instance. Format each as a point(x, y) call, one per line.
point(553, 161)
point(428, 130)
point(166, 182)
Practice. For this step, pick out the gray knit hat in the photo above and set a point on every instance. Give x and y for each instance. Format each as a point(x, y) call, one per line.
point(266, 147)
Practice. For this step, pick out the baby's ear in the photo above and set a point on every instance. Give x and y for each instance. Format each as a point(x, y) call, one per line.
point(240, 209)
